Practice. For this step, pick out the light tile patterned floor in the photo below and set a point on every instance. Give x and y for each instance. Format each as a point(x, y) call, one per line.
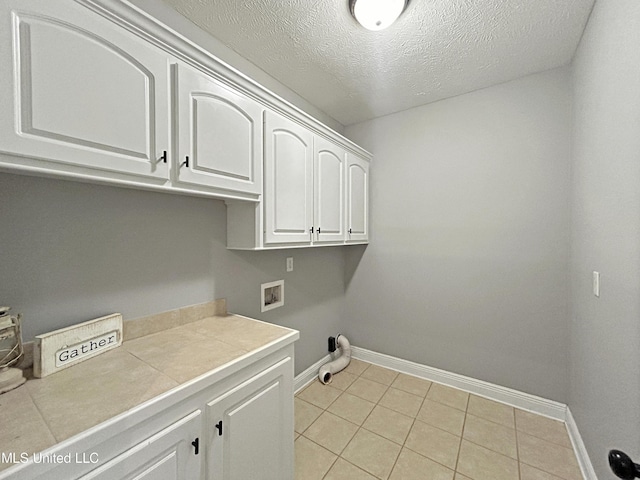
point(373, 423)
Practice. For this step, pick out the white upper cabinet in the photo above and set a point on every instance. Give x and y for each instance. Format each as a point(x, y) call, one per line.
point(76, 91)
point(357, 199)
point(315, 192)
point(219, 134)
point(288, 189)
point(329, 191)
point(97, 91)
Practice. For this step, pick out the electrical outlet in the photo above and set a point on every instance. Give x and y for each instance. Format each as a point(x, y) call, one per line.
point(289, 264)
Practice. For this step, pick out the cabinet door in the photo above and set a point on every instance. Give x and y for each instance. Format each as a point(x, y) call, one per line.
point(329, 191)
point(78, 91)
point(250, 428)
point(357, 199)
point(220, 131)
point(288, 190)
point(168, 455)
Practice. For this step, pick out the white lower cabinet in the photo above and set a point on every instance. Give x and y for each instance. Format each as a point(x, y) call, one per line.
point(172, 454)
point(246, 433)
point(223, 426)
point(250, 429)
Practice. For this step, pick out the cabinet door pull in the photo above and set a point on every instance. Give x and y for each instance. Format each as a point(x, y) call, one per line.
point(349, 231)
point(219, 427)
point(196, 444)
point(164, 156)
point(318, 230)
point(186, 162)
point(311, 230)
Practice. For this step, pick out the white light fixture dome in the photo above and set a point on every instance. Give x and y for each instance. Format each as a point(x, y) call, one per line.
point(377, 14)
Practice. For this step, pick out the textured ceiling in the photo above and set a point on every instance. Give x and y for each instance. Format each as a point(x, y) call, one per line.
point(437, 49)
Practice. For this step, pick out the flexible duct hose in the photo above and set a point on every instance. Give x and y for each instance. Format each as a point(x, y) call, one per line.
point(329, 369)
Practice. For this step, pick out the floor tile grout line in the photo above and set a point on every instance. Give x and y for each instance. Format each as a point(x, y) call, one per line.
point(547, 472)
point(430, 459)
point(313, 421)
point(409, 432)
point(326, 410)
point(491, 420)
point(323, 411)
point(361, 427)
point(515, 425)
point(340, 457)
point(437, 428)
point(324, 448)
point(554, 474)
point(464, 423)
point(403, 445)
point(415, 418)
point(490, 449)
point(545, 440)
point(378, 404)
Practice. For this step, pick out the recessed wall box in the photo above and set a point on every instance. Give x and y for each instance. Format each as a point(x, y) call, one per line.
point(272, 295)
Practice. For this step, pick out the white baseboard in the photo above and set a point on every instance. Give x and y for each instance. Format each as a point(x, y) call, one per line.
point(521, 400)
point(311, 373)
point(578, 446)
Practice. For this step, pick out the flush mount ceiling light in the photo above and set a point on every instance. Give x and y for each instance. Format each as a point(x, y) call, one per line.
point(377, 14)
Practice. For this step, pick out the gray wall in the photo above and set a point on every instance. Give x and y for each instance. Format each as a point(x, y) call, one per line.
point(467, 269)
point(605, 332)
point(71, 252)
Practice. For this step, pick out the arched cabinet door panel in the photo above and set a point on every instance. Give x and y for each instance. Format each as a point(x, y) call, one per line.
point(78, 91)
point(288, 195)
point(220, 132)
point(357, 199)
point(329, 191)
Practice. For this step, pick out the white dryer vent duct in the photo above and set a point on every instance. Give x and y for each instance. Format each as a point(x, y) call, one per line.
point(339, 363)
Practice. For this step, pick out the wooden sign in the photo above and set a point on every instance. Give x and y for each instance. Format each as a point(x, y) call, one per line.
point(63, 348)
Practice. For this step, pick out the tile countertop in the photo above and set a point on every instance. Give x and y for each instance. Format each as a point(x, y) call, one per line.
point(46, 411)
